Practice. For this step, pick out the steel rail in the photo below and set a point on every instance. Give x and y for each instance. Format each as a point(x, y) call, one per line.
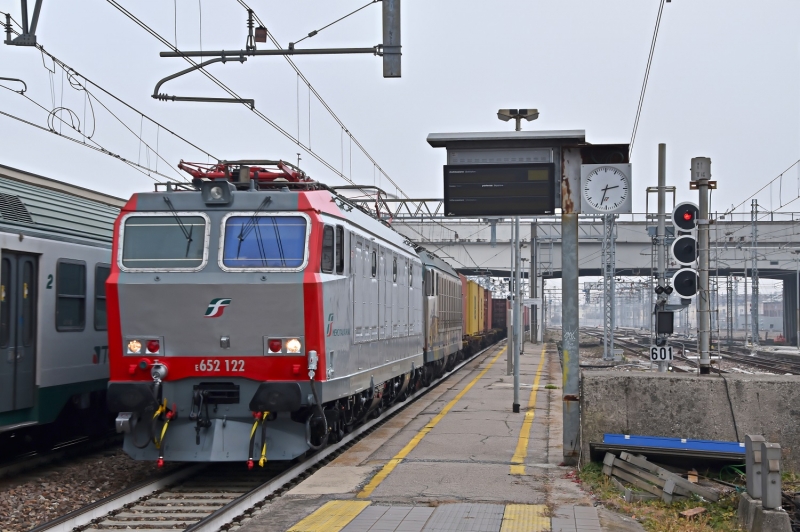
point(63, 450)
point(87, 514)
point(228, 513)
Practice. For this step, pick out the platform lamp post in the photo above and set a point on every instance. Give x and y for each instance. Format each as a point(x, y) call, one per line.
point(515, 342)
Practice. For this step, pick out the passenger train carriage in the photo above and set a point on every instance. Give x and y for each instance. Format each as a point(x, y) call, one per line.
point(56, 256)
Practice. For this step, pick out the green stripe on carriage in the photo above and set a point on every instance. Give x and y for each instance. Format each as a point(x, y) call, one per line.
point(49, 402)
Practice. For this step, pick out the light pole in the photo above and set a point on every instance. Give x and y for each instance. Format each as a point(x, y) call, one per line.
point(515, 341)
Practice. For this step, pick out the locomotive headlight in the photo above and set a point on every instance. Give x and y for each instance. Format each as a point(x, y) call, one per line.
point(216, 193)
point(293, 345)
point(134, 347)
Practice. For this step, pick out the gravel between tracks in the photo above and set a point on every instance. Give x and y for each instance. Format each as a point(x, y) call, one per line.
point(42, 495)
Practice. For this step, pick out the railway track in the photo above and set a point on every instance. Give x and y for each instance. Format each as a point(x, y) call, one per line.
point(773, 362)
point(636, 348)
point(59, 452)
point(210, 497)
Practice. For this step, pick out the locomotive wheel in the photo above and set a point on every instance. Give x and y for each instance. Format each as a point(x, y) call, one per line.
point(426, 377)
point(441, 370)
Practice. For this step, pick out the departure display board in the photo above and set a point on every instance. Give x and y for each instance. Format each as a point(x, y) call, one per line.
point(499, 189)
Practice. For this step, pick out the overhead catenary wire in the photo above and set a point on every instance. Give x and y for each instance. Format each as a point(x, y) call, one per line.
point(315, 32)
point(753, 195)
point(646, 77)
point(74, 123)
point(97, 147)
point(323, 102)
point(228, 90)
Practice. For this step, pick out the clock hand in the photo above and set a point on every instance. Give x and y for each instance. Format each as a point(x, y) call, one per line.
point(604, 198)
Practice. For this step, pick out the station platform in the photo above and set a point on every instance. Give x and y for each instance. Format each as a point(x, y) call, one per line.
point(456, 459)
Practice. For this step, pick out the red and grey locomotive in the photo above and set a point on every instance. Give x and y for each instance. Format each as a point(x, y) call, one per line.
point(257, 314)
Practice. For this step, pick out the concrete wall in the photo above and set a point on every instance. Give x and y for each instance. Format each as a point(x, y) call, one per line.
point(690, 406)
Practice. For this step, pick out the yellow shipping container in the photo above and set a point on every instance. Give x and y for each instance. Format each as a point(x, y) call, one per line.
point(481, 309)
point(473, 298)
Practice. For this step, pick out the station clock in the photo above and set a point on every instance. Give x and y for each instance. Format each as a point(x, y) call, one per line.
point(605, 188)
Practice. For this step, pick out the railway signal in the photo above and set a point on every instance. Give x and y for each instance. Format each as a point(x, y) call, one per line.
point(684, 216)
point(684, 249)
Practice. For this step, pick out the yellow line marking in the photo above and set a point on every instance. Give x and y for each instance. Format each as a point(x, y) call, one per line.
point(331, 517)
point(518, 461)
point(525, 518)
point(391, 464)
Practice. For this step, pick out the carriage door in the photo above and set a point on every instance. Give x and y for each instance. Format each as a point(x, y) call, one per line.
point(17, 330)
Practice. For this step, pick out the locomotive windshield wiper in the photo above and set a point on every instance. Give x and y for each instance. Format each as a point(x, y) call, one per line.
point(279, 242)
point(187, 234)
point(249, 226)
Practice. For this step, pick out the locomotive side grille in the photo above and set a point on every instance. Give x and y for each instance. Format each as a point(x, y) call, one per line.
point(13, 210)
point(218, 393)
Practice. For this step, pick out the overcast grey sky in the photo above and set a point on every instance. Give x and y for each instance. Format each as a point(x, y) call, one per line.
point(724, 83)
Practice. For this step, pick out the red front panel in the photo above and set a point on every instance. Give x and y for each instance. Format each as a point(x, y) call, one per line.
point(260, 368)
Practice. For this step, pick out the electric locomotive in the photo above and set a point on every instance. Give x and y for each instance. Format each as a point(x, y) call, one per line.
point(257, 314)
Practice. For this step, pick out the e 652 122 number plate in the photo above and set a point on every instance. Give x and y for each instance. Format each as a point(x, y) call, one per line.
point(215, 365)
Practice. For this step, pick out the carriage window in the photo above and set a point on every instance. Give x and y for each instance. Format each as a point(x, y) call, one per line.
point(327, 249)
point(101, 273)
point(71, 296)
point(164, 242)
point(374, 263)
point(394, 271)
point(339, 249)
point(266, 241)
point(411, 275)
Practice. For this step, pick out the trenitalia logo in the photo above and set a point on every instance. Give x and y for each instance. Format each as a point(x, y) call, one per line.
point(217, 307)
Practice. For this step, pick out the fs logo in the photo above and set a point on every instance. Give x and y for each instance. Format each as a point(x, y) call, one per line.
point(217, 307)
point(330, 324)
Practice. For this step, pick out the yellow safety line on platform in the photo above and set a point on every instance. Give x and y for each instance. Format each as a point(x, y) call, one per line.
point(331, 517)
point(391, 464)
point(518, 461)
point(525, 518)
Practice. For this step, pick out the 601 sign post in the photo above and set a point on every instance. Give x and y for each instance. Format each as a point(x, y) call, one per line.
point(662, 353)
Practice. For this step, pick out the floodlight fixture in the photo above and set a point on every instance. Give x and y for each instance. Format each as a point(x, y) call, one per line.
point(517, 114)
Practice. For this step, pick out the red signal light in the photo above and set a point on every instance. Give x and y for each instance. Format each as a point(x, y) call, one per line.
point(687, 216)
point(275, 345)
point(153, 346)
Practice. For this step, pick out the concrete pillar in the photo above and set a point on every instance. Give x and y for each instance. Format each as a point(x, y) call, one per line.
point(570, 294)
point(790, 309)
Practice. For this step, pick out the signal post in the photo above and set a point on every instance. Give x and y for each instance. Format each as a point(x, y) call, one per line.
point(701, 174)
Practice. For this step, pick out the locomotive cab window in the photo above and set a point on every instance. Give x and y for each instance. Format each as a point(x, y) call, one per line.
point(176, 241)
point(327, 249)
point(339, 249)
point(70, 295)
point(260, 242)
point(101, 273)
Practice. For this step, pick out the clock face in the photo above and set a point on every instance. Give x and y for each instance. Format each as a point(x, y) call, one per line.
point(606, 188)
